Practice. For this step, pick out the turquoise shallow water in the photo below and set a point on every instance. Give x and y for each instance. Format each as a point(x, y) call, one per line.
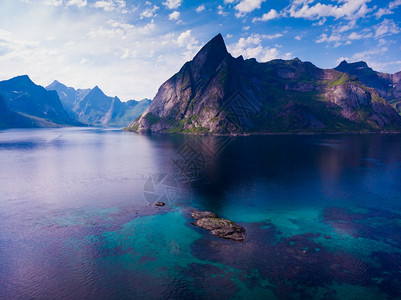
point(322, 216)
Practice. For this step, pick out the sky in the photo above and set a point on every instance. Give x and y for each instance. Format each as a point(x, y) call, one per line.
point(129, 48)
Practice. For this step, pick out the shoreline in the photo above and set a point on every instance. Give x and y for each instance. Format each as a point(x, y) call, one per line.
point(267, 133)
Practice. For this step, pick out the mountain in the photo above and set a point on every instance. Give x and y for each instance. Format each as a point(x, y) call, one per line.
point(10, 119)
point(387, 85)
point(69, 96)
point(32, 105)
point(93, 107)
point(128, 111)
point(216, 93)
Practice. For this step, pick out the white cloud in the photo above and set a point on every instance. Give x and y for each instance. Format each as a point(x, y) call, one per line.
point(124, 56)
point(272, 14)
point(110, 5)
point(394, 4)
point(172, 4)
point(271, 36)
point(321, 22)
point(355, 36)
point(387, 27)
point(368, 55)
point(335, 38)
point(247, 6)
point(175, 15)
point(53, 2)
point(149, 12)
point(221, 12)
point(184, 38)
point(251, 47)
point(360, 35)
point(388, 10)
point(187, 41)
point(351, 9)
point(382, 42)
point(298, 37)
point(45, 2)
point(349, 26)
point(78, 3)
point(200, 8)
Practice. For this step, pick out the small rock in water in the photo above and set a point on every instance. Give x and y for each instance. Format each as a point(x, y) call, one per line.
point(159, 203)
point(219, 227)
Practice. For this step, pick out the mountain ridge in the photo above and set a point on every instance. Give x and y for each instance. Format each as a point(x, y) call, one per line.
point(32, 105)
point(94, 107)
point(216, 93)
point(387, 85)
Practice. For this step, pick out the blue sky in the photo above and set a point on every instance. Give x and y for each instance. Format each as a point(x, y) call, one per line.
point(129, 48)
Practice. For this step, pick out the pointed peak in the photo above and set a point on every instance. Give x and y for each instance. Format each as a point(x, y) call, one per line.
point(218, 39)
point(55, 84)
point(212, 53)
point(96, 91)
point(215, 46)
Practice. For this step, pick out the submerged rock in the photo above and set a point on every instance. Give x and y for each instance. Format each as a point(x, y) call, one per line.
point(219, 227)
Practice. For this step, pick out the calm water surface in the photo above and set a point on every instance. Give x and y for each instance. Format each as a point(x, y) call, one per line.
point(322, 216)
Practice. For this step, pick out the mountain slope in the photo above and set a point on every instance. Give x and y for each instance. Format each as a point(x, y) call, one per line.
point(93, 107)
point(387, 85)
point(69, 97)
point(10, 119)
point(218, 94)
point(22, 96)
point(128, 111)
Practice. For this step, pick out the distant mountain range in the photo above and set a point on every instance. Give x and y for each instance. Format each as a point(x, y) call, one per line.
point(24, 104)
point(92, 106)
point(216, 93)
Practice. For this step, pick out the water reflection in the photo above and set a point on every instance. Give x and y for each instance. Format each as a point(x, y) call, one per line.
point(292, 168)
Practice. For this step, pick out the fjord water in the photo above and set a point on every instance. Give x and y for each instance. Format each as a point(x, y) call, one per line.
point(322, 215)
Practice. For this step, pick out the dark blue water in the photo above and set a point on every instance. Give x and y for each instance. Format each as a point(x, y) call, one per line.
point(322, 215)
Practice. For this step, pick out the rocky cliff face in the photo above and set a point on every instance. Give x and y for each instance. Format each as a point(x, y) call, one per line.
point(216, 93)
point(386, 85)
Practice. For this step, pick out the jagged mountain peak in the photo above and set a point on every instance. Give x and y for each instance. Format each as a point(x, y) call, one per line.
point(212, 53)
point(96, 91)
point(56, 84)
